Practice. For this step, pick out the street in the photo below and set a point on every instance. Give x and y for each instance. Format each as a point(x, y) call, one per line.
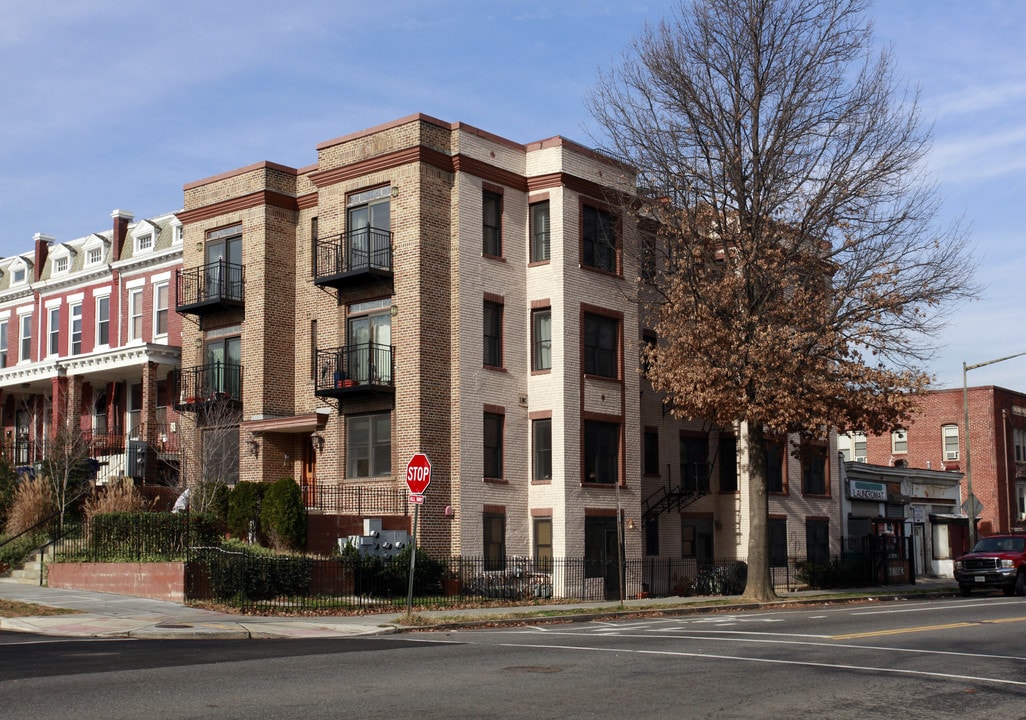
point(937, 658)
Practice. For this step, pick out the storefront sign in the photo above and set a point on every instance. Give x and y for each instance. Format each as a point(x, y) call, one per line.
point(861, 490)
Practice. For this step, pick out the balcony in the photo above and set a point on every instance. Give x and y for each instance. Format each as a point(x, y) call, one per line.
point(354, 370)
point(354, 259)
point(211, 288)
point(206, 388)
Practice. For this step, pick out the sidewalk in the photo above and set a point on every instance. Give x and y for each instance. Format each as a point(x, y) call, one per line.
point(109, 616)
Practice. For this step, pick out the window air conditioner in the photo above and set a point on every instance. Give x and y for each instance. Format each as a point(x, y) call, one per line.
point(861, 459)
point(951, 455)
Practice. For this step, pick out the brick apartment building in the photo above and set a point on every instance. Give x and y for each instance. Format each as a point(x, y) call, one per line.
point(88, 334)
point(935, 439)
point(431, 287)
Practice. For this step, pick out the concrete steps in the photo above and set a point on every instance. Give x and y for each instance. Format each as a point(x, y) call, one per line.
point(31, 571)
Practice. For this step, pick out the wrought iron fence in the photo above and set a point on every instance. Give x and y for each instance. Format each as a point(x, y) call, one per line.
point(356, 500)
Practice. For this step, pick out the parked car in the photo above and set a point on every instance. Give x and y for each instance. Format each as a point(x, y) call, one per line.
point(996, 561)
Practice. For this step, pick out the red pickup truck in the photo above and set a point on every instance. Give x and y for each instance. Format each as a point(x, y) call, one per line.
point(997, 561)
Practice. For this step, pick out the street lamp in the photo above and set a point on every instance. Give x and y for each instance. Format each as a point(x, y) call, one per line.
point(968, 461)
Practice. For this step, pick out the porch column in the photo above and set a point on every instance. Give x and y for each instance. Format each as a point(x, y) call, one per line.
point(59, 398)
point(148, 411)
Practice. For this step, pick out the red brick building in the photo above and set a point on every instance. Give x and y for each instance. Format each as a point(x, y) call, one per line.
point(88, 335)
point(935, 439)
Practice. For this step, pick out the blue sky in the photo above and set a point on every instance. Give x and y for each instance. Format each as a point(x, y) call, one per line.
point(117, 104)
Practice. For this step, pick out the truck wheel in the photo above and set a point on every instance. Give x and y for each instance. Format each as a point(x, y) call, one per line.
point(965, 590)
point(1020, 583)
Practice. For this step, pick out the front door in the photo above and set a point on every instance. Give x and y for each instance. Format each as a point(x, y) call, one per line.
point(308, 482)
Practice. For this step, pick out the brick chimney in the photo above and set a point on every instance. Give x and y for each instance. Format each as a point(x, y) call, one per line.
point(43, 243)
point(121, 220)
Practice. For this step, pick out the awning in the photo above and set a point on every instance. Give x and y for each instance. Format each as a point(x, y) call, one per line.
point(310, 422)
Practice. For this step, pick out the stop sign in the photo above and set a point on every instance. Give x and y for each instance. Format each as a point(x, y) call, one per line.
point(418, 474)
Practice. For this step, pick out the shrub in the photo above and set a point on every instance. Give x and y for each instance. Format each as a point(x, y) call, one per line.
point(244, 571)
point(32, 504)
point(244, 506)
point(8, 484)
point(283, 516)
point(15, 552)
point(837, 573)
point(117, 497)
point(137, 536)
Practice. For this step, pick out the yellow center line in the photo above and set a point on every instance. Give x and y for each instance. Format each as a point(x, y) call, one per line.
point(924, 628)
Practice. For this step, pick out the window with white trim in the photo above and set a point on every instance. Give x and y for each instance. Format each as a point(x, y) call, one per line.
point(60, 265)
point(135, 314)
point(3, 343)
point(94, 256)
point(76, 329)
point(53, 325)
point(25, 337)
point(160, 296)
point(949, 438)
point(1019, 438)
point(103, 320)
point(852, 446)
point(899, 441)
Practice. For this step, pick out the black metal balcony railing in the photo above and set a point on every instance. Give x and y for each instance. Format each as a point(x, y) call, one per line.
point(209, 383)
point(211, 287)
point(361, 252)
point(103, 443)
point(21, 452)
point(354, 368)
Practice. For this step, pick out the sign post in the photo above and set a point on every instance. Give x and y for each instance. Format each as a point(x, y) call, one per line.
point(418, 477)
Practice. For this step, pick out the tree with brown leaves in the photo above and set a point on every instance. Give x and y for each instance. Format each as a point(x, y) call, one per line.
point(800, 272)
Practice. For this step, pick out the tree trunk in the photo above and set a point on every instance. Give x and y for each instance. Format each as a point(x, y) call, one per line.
point(760, 582)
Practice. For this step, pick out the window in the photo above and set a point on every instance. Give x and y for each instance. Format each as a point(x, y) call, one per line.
point(694, 464)
point(773, 456)
point(135, 314)
point(728, 464)
point(541, 442)
point(817, 540)
point(601, 336)
point(3, 343)
point(313, 350)
point(493, 428)
point(541, 339)
point(650, 526)
point(1019, 438)
point(599, 240)
point(369, 445)
point(1020, 499)
point(221, 455)
point(18, 275)
point(368, 355)
point(103, 320)
point(94, 256)
point(651, 453)
point(949, 436)
point(601, 452)
point(25, 338)
point(777, 534)
point(369, 229)
point(53, 336)
point(144, 242)
point(492, 334)
point(899, 441)
point(852, 446)
point(60, 265)
point(648, 257)
point(492, 223)
point(543, 544)
point(494, 541)
point(76, 329)
point(160, 295)
point(814, 463)
point(540, 231)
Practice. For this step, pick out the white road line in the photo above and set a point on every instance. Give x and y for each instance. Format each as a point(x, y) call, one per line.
point(799, 663)
point(897, 611)
point(770, 639)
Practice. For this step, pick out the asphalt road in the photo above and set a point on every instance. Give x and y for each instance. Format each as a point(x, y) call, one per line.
point(962, 658)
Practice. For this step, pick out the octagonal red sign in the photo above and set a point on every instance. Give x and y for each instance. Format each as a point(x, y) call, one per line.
point(418, 474)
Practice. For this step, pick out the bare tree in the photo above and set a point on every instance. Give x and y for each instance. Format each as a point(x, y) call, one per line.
point(210, 452)
point(801, 274)
point(66, 467)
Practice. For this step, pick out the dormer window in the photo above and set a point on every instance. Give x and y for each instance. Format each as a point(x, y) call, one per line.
point(19, 271)
point(60, 265)
point(145, 236)
point(95, 250)
point(178, 230)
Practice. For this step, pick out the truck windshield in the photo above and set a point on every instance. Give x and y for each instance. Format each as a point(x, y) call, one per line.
point(1000, 544)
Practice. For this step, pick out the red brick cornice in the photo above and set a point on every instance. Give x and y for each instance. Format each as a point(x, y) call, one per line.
point(243, 202)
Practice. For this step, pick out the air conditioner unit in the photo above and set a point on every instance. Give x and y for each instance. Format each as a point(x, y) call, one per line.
point(951, 455)
point(861, 459)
